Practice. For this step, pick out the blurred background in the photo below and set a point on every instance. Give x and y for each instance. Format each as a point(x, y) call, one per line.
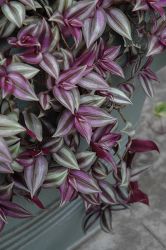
point(142, 227)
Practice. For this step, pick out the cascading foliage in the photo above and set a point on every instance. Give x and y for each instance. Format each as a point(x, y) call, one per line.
point(59, 64)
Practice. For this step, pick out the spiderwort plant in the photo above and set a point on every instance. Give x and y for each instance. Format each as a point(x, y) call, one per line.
point(59, 63)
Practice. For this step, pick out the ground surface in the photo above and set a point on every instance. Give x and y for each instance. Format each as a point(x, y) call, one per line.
point(142, 228)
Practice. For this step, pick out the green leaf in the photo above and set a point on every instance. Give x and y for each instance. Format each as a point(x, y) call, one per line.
point(6, 27)
point(26, 70)
point(55, 177)
point(108, 194)
point(17, 167)
point(118, 21)
point(64, 4)
point(5, 155)
point(66, 158)
point(86, 159)
point(15, 149)
point(106, 220)
point(124, 175)
point(14, 12)
point(92, 100)
point(33, 124)
point(160, 109)
point(9, 127)
point(29, 3)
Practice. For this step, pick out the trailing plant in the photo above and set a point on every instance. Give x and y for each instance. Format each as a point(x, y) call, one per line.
point(59, 65)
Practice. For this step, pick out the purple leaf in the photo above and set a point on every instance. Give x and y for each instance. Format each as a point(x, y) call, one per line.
point(93, 81)
point(50, 65)
point(142, 146)
point(82, 10)
point(44, 35)
point(25, 159)
point(45, 101)
point(65, 124)
point(137, 195)
point(83, 127)
point(94, 27)
point(96, 117)
point(109, 53)
point(83, 182)
point(100, 132)
point(35, 175)
point(33, 123)
point(103, 154)
point(72, 76)
point(13, 210)
point(88, 57)
point(112, 67)
point(109, 140)
point(68, 98)
point(30, 56)
point(146, 84)
point(67, 193)
point(36, 201)
point(17, 85)
point(128, 88)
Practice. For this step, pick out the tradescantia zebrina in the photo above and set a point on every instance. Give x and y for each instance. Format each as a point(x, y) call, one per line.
point(57, 92)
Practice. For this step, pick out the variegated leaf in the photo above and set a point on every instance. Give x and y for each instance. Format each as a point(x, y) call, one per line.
point(66, 158)
point(53, 145)
point(118, 21)
point(106, 220)
point(29, 3)
point(35, 175)
point(81, 10)
point(33, 124)
point(86, 159)
point(83, 182)
point(9, 127)
point(96, 116)
point(50, 65)
point(94, 27)
point(56, 177)
point(15, 12)
point(25, 70)
point(92, 100)
point(93, 81)
point(65, 124)
point(68, 98)
point(5, 155)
